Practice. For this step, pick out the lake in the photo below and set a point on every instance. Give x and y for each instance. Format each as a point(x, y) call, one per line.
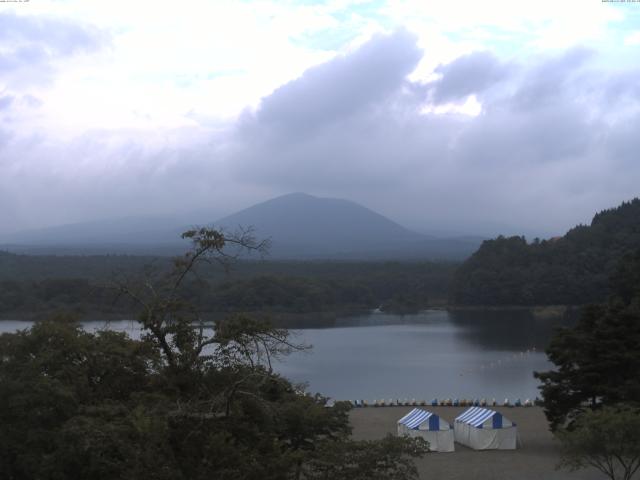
point(433, 354)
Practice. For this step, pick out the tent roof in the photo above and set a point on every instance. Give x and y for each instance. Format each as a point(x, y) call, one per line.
point(475, 416)
point(415, 418)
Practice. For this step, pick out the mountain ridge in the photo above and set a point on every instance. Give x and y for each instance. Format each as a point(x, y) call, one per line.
point(304, 224)
point(300, 226)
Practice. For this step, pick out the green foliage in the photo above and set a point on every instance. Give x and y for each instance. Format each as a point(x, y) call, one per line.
point(181, 403)
point(626, 280)
point(388, 459)
point(598, 360)
point(571, 270)
point(56, 381)
point(607, 439)
point(80, 405)
point(82, 285)
point(289, 294)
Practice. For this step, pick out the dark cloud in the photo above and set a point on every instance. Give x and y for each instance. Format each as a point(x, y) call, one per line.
point(553, 81)
point(623, 144)
point(555, 141)
point(61, 37)
point(31, 101)
point(312, 123)
point(343, 86)
point(623, 88)
point(6, 101)
point(31, 44)
point(5, 137)
point(470, 74)
point(540, 141)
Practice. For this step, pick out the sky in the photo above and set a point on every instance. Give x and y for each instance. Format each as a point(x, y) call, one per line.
point(475, 117)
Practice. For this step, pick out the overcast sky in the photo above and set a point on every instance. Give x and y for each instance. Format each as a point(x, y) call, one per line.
point(460, 115)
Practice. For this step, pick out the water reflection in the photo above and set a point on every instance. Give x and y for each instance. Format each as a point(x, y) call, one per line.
point(511, 330)
point(471, 354)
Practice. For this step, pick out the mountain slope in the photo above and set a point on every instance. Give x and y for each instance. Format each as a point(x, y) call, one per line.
point(306, 227)
point(300, 226)
point(303, 224)
point(128, 235)
point(126, 230)
point(573, 269)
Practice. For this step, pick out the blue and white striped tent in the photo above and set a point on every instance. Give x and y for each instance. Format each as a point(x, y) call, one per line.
point(484, 429)
point(427, 425)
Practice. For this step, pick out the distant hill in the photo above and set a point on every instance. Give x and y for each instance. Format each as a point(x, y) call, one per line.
point(304, 226)
point(300, 226)
point(117, 235)
point(573, 269)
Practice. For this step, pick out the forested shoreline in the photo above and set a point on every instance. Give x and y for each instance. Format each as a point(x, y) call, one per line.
point(572, 270)
point(31, 287)
point(569, 270)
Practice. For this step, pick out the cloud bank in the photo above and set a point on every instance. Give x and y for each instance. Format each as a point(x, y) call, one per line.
point(553, 140)
point(32, 45)
point(545, 150)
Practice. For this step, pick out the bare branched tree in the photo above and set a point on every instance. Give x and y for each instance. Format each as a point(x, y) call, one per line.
point(241, 347)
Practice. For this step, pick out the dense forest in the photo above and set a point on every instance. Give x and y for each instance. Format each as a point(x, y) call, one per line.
point(178, 404)
point(31, 287)
point(597, 360)
point(570, 270)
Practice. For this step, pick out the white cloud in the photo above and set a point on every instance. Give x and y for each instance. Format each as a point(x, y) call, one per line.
point(470, 107)
point(168, 61)
point(633, 38)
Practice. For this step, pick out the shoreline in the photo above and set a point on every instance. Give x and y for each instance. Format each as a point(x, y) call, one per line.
point(316, 319)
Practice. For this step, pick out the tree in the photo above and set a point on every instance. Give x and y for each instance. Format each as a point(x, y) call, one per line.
point(597, 360)
point(568, 270)
point(388, 459)
point(184, 402)
point(165, 316)
point(607, 439)
point(68, 400)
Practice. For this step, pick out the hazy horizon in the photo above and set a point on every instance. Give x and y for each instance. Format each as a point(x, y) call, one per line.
point(205, 218)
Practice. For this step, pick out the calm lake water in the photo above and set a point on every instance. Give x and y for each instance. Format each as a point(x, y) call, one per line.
point(470, 354)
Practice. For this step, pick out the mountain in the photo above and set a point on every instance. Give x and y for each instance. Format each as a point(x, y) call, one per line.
point(570, 270)
point(134, 235)
point(117, 230)
point(304, 226)
point(300, 226)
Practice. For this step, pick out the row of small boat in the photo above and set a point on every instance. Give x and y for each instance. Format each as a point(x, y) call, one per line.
point(464, 402)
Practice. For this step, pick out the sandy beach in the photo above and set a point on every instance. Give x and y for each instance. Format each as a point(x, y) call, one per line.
point(536, 459)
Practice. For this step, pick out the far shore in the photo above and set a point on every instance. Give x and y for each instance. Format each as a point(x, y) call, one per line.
point(310, 319)
point(535, 459)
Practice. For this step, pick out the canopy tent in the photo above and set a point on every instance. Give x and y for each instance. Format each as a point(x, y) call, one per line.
point(429, 426)
point(483, 429)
